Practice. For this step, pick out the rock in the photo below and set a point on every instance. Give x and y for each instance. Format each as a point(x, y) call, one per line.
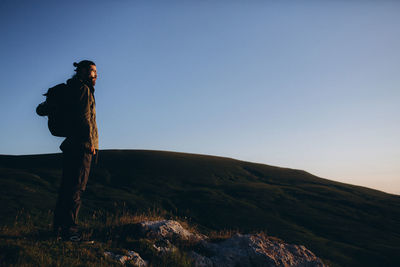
point(239, 250)
point(132, 256)
point(136, 259)
point(163, 246)
point(168, 229)
point(254, 250)
point(199, 260)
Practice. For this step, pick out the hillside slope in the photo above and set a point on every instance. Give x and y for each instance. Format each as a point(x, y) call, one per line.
point(343, 224)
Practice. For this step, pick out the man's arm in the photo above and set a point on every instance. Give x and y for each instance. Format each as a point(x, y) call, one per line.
point(84, 119)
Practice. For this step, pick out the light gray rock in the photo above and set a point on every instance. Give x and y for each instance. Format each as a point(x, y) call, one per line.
point(163, 246)
point(255, 250)
point(168, 229)
point(133, 257)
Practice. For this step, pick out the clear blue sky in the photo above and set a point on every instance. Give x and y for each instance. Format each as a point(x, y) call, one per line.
point(311, 85)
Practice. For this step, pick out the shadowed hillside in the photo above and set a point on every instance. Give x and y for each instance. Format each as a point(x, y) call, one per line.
point(343, 224)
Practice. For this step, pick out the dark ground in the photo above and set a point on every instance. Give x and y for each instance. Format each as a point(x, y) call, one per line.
point(345, 225)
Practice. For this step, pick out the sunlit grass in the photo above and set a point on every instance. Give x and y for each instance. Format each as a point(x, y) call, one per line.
point(29, 241)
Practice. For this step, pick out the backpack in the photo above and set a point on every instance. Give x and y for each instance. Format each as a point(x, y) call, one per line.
point(57, 109)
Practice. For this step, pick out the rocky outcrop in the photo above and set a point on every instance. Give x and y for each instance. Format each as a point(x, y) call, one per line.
point(168, 229)
point(253, 250)
point(133, 258)
point(239, 250)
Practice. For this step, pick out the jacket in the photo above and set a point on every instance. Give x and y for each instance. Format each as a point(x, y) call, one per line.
point(83, 133)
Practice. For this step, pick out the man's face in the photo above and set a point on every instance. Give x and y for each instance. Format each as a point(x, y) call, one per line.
point(92, 74)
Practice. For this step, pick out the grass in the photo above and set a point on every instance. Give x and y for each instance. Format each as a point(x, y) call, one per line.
point(343, 224)
point(29, 241)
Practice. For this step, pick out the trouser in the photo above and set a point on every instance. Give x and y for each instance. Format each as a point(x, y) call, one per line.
point(76, 169)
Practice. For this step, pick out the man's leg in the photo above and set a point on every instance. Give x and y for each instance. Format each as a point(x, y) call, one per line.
point(76, 169)
point(61, 210)
point(83, 167)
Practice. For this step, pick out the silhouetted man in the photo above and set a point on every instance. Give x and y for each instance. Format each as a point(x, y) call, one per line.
point(78, 149)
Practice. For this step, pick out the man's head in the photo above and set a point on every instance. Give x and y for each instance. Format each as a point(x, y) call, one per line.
point(86, 70)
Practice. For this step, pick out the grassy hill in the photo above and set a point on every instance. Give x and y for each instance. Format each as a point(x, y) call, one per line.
point(343, 224)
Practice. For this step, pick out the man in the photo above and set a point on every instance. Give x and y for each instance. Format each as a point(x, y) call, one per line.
point(78, 149)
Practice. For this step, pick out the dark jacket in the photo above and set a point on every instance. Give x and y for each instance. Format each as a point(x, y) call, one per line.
point(83, 133)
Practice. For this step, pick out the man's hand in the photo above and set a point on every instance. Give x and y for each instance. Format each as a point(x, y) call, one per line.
point(93, 150)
